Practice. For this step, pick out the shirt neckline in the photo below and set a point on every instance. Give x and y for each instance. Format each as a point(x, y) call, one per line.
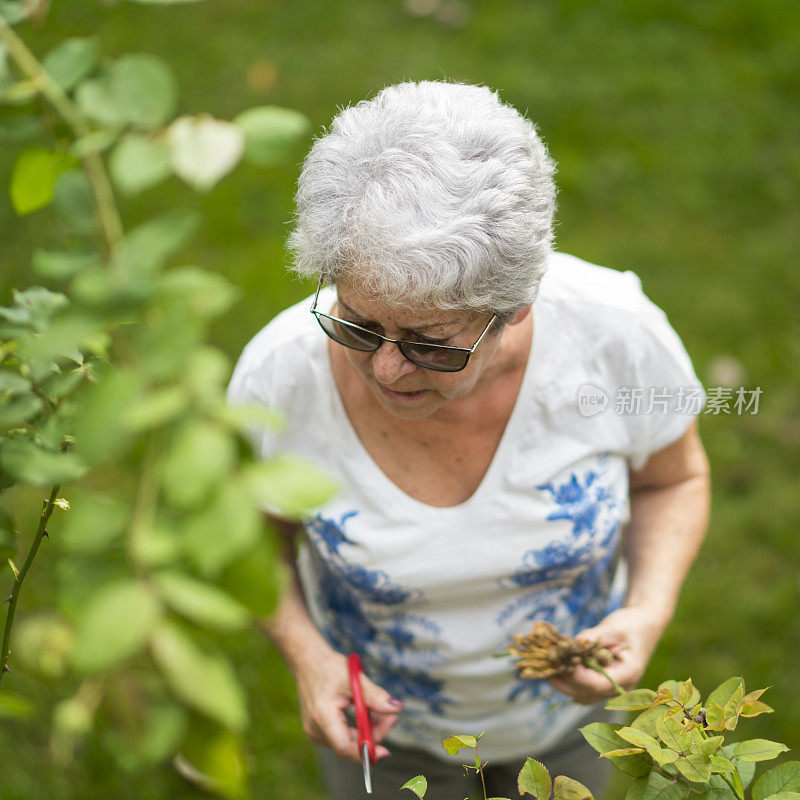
point(355, 450)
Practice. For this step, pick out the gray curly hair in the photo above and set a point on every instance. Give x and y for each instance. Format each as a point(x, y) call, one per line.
point(430, 194)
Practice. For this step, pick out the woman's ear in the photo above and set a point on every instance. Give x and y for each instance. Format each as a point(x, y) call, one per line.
point(519, 316)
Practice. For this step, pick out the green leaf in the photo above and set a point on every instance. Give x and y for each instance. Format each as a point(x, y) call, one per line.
point(144, 89)
point(569, 789)
point(94, 142)
point(17, 411)
point(14, 705)
point(758, 750)
point(44, 644)
point(64, 337)
point(721, 764)
point(199, 459)
point(35, 307)
point(154, 543)
point(60, 384)
point(151, 244)
point(688, 695)
point(213, 758)
point(203, 150)
point(257, 579)
point(13, 382)
point(232, 511)
point(711, 745)
point(656, 787)
point(272, 134)
point(200, 602)
point(623, 751)
point(19, 128)
point(288, 486)
point(96, 99)
point(16, 11)
point(754, 708)
point(671, 733)
point(784, 796)
point(29, 463)
point(783, 778)
point(8, 541)
point(641, 739)
point(70, 61)
point(534, 779)
point(156, 409)
point(455, 743)
point(62, 265)
point(207, 293)
point(99, 429)
point(94, 522)
point(632, 701)
point(114, 626)
point(163, 2)
point(204, 681)
point(33, 178)
point(602, 736)
point(138, 163)
point(695, 767)
point(74, 201)
point(671, 686)
point(721, 695)
point(418, 785)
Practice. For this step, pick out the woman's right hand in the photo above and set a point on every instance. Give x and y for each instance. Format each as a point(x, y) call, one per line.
point(323, 687)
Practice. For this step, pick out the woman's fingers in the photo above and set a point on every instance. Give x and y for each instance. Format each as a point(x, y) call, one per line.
point(378, 699)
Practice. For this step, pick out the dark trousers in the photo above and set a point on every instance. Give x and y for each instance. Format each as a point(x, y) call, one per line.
point(344, 780)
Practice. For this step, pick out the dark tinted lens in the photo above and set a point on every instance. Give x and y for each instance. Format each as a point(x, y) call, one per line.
point(347, 335)
point(433, 357)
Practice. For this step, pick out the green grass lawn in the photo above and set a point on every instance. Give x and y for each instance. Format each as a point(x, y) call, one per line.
point(676, 129)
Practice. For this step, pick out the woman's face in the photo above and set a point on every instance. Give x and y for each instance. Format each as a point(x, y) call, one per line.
point(400, 387)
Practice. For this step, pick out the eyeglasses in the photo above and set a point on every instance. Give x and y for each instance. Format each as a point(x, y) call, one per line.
point(438, 357)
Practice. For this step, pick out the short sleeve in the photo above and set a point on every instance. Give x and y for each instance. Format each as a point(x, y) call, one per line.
point(249, 386)
point(665, 395)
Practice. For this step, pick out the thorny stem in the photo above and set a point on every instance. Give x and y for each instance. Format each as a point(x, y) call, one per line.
point(95, 170)
point(47, 511)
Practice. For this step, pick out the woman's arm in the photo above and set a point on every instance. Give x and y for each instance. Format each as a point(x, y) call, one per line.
point(323, 683)
point(669, 500)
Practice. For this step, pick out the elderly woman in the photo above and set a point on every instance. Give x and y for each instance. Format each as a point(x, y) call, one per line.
point(497, 415)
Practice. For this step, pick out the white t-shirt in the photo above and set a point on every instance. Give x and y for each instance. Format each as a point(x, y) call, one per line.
point(427, 596)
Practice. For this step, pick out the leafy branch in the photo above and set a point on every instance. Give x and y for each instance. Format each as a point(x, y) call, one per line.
point(41, 81)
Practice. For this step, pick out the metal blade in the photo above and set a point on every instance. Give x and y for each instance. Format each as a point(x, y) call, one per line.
point(365, 762)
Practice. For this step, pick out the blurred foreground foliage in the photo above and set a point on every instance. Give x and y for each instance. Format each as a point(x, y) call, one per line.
point(105, 371)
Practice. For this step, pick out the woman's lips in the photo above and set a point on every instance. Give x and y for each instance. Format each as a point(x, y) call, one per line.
point(400, 397)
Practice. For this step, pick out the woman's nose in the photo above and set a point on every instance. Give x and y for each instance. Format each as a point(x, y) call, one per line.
point(389, 364)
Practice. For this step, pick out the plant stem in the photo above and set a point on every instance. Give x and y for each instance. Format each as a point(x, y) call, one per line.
point(597, 668)
point(47, 511)
point(480, 772)
point(95, 169)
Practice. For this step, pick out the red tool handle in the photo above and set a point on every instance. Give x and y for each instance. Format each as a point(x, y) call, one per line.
point(362, 712)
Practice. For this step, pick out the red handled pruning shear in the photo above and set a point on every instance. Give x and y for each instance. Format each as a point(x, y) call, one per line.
point(366, 742)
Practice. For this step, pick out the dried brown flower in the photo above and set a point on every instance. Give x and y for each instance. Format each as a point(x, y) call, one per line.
point(545, 652)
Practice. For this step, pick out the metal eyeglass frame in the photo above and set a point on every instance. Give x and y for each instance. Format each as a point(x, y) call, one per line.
point(399, 342)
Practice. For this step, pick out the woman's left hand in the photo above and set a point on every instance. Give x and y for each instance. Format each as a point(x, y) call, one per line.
point(631, 634)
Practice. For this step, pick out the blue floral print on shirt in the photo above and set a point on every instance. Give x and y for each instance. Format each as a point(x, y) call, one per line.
point(570, 578)
point(366, 613)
